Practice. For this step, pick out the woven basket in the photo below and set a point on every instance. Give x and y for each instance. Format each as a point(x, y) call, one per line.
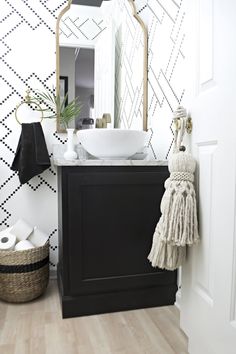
point(24, 274)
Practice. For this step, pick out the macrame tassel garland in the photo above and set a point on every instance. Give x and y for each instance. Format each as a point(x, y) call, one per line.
point(178, 224)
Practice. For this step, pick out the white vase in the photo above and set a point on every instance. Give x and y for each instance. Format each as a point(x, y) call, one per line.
point(70, 153)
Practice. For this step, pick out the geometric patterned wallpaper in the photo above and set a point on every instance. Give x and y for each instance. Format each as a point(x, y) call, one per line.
point(166, 77)
point(77, 25)
point(27, 60)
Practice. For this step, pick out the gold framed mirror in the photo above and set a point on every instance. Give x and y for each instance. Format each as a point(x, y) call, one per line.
point(70, 33)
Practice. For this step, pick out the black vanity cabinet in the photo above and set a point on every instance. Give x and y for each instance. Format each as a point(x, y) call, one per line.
point(107, 216)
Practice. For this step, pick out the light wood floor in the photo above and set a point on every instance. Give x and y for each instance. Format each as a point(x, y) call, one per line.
point(37, 328)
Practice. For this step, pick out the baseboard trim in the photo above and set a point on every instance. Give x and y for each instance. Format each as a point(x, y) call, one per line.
point(53, 274)
point(178, 299)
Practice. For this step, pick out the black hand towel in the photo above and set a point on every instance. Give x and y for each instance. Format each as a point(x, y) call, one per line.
point(31, 156)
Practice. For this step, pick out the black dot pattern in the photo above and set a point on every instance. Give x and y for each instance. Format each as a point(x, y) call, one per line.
point(142, 9)
point(14, 82)
point(53, 248)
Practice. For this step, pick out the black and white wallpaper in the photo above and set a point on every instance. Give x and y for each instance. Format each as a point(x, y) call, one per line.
point(27, 61)
point(75, 26)
point(167, 68)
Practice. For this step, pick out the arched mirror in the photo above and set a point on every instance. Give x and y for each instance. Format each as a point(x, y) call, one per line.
point(101, 49)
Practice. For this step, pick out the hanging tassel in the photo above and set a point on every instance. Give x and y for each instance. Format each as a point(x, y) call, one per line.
point(166, 256)
point(178, 225)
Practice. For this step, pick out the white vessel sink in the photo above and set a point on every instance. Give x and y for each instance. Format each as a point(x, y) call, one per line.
point(112, 144)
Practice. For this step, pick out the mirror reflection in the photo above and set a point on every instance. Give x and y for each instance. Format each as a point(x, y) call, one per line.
point(77, 68)
point(102, 62)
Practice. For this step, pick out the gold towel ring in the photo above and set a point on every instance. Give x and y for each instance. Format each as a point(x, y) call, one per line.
point(27, 101)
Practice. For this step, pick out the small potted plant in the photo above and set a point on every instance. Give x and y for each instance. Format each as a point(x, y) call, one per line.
point(56, 107)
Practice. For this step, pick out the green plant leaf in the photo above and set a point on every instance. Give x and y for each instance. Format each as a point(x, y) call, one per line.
point(57, 107)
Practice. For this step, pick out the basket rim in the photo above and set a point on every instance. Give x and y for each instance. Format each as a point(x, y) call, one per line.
point(32, 250)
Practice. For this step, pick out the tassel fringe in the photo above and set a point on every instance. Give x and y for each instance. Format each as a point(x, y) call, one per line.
point(178, 224)
point(166, 256)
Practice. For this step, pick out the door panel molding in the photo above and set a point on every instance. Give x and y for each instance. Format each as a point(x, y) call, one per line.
point(233, 282)
point(203, 263)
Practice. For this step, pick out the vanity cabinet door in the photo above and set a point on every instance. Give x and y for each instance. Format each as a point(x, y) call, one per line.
point(109, 217)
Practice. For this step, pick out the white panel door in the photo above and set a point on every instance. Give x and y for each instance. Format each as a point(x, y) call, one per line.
point(104, 92)
point(208, 303)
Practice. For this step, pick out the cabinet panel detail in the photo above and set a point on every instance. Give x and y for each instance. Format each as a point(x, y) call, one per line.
point(108, 217)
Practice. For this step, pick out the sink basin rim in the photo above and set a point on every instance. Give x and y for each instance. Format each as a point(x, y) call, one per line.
point(112, 144)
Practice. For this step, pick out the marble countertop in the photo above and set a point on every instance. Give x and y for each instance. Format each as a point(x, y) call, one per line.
point(85, 160)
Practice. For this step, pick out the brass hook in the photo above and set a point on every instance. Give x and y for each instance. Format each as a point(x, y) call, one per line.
point(188, 124)
point(27, 100)
point(181, 113)
point(27, 97)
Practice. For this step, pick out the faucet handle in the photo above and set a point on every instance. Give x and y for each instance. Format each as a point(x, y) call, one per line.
point(107, 117)
point(102, 122)
point(99, 123)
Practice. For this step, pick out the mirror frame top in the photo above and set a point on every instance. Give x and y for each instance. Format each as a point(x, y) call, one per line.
point(145, 61)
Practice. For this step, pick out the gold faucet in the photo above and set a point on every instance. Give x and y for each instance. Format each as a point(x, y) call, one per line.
point(102, 122)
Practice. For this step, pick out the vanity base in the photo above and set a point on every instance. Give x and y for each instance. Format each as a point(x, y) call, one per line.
point(107, 218)
point(92, 304)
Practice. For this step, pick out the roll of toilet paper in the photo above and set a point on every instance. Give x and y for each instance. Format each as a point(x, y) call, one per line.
point(7, 241)
point(21, 229)
point(38, 238)
point(23, 245)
